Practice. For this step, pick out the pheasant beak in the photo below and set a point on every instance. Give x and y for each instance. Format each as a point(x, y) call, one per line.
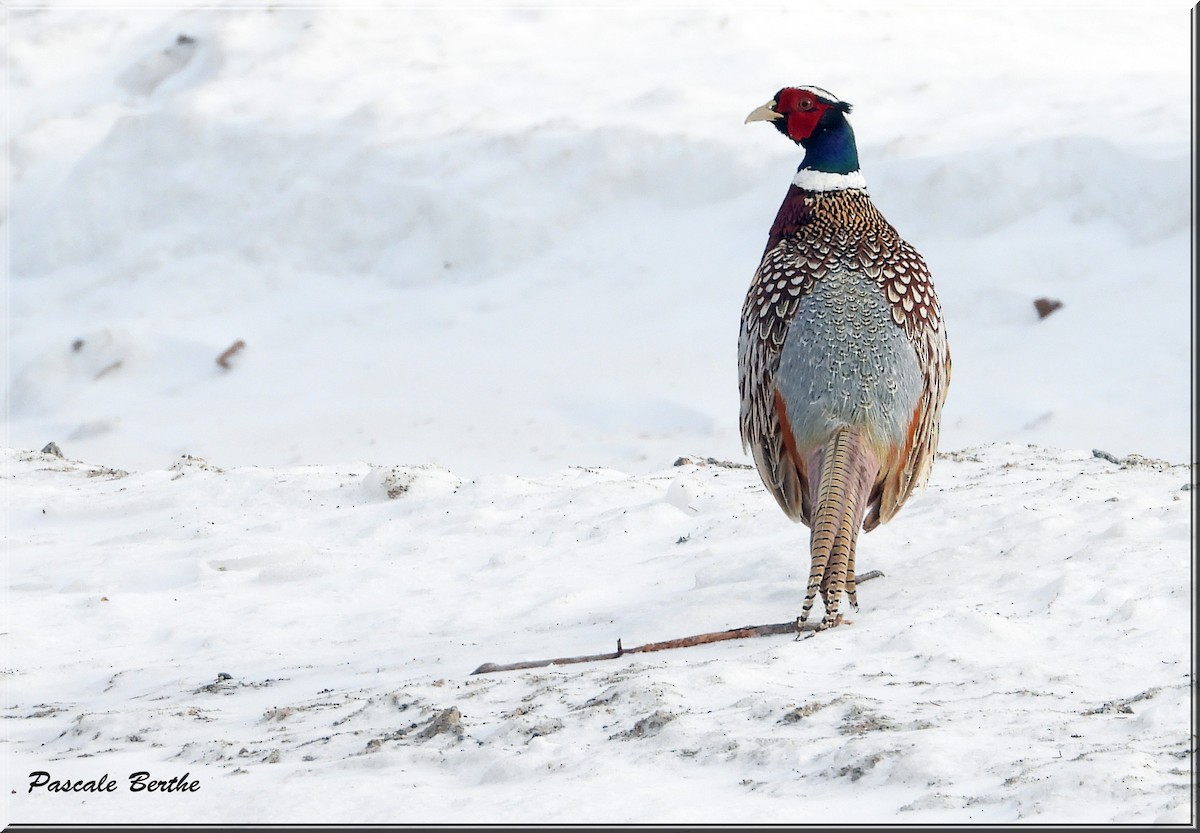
point(764, 113)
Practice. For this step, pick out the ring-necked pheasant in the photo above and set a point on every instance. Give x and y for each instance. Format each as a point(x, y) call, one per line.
point(843, 360)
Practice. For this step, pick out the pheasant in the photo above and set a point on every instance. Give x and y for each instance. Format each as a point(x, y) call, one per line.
point(843, 361)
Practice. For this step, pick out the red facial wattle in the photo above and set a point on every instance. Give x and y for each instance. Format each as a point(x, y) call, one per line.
point(801, 125)
point(802, 111)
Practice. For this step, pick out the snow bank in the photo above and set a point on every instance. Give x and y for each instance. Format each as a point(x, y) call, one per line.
point(498, 242)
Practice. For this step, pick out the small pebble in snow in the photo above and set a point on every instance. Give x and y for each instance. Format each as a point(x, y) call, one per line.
point(1045, 306)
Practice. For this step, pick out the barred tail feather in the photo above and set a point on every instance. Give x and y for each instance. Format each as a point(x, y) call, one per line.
point(847, 471)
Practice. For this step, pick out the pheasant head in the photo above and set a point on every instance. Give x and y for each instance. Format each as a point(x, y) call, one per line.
point(815, 119)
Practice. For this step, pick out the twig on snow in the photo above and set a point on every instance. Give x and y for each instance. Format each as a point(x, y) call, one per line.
point(229, 353)
point(682, 642)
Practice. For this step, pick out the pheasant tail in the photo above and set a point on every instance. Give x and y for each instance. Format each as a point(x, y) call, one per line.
point(846, 471)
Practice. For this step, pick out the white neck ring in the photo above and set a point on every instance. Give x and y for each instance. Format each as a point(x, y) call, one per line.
point(811, 180)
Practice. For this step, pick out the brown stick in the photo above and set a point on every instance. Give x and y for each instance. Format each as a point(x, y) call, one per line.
point(682, 642)
point(229, 353)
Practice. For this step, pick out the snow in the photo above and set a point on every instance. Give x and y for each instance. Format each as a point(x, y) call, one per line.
point(978, 682)
point(487, 264)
